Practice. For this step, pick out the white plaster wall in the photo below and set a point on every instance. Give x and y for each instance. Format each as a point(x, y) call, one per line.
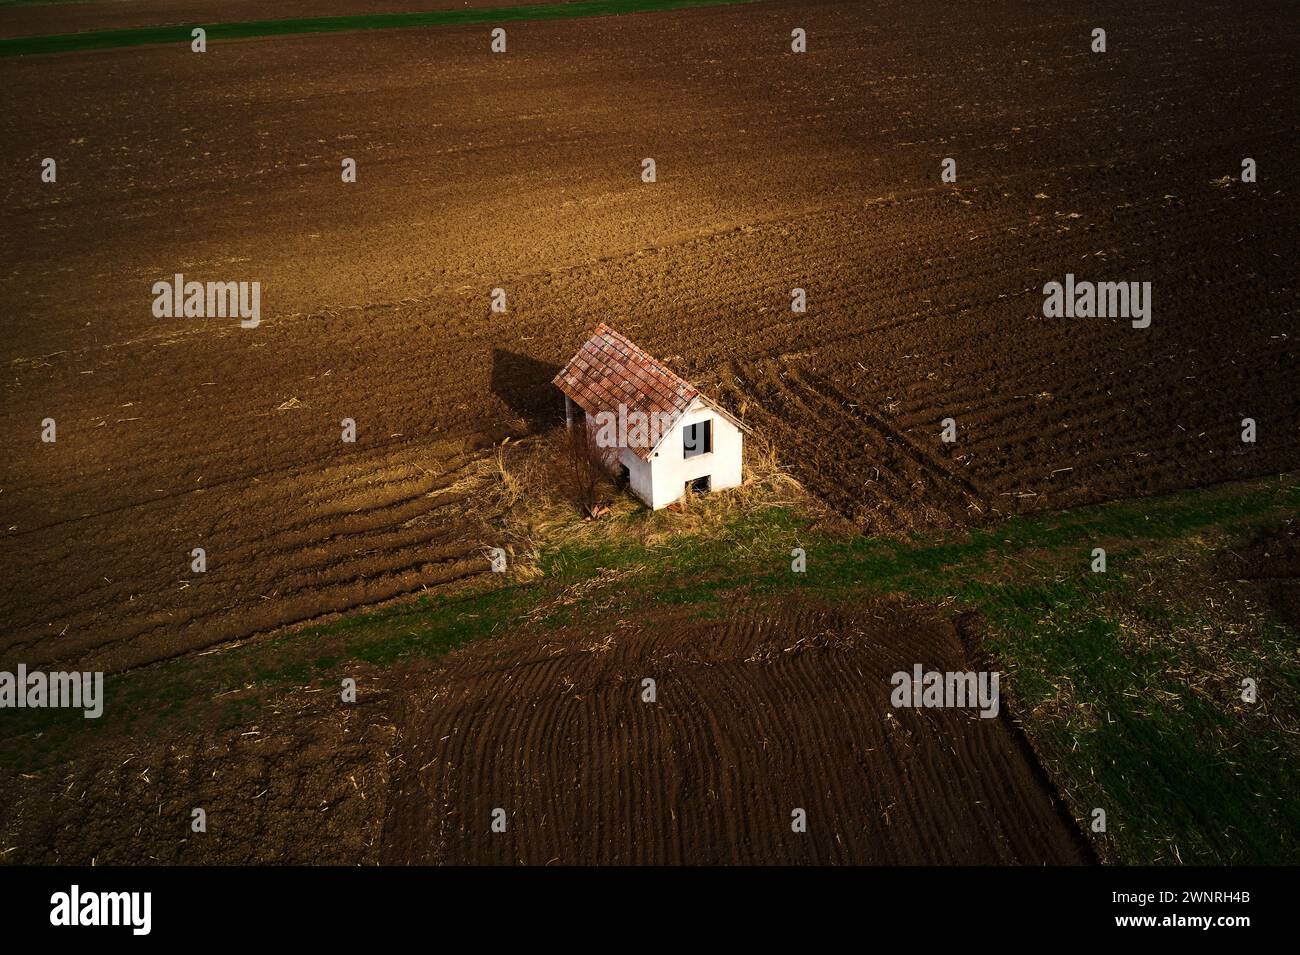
point(670, 469)
point(662, 480)
point(638, 475)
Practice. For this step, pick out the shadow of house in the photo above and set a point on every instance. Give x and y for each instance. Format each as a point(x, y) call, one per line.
point(524, 384)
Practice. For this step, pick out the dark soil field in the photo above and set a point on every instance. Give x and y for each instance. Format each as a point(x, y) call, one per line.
point(750, 722)
point(522, 171)
point(78, 16)
point(754, 718)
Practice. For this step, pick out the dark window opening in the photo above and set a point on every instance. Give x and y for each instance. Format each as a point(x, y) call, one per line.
point(697, 439)
point(624, 476)
point(699, 486)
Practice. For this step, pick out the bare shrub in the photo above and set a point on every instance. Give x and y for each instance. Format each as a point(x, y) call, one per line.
point(588, 463)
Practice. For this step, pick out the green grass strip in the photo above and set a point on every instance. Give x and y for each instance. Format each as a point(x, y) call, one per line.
point(142, 36)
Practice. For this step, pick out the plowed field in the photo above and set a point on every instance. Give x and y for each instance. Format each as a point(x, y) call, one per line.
point(753, 718)
point(521, 171)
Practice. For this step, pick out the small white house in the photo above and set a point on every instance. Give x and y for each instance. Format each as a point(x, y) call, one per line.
point(662, 435)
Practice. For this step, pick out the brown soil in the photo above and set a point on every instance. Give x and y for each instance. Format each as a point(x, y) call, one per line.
point(523, 171)
point(307, 782)
point(1271, 564)
point(53, 18)
point(754, 717)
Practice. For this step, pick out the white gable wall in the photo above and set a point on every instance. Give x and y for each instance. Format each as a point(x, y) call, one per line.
point(662, 480)
point(670, 469)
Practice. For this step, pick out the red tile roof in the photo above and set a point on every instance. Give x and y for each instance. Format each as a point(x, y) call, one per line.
point(609, 371)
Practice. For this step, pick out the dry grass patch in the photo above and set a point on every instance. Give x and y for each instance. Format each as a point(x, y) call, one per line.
point(532, 486)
